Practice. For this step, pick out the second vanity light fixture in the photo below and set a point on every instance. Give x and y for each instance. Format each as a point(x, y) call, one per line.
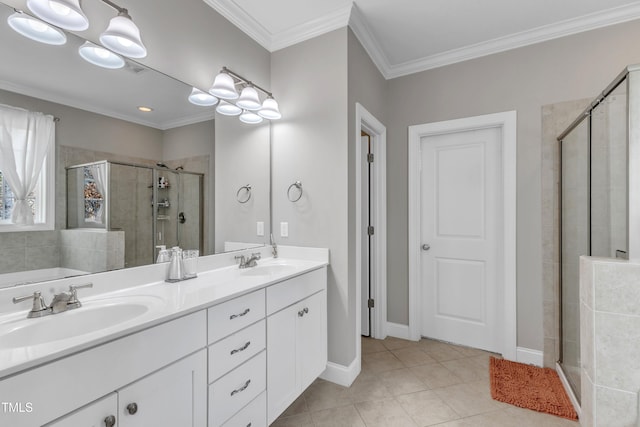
point(246, 104)
point(122, 36)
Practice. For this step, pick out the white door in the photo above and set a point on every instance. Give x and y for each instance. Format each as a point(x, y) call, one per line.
point(367, 241)
point(461, 195)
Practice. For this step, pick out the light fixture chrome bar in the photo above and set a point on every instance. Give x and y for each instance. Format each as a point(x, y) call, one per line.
point(120, 10)
point(242, 79)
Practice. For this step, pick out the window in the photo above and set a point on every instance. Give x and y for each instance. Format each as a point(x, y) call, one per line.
point(41, 200)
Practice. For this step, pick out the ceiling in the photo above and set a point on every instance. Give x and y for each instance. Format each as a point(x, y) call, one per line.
point(407, 36)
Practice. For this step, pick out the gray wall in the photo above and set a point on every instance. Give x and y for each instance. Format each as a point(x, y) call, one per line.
point(524, 79)
point(310, 145)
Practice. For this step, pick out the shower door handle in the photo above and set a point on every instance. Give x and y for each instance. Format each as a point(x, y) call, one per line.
point(426, 247)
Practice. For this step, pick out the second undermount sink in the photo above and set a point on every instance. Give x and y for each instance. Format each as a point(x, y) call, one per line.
point(269, 270)
point(92, 317)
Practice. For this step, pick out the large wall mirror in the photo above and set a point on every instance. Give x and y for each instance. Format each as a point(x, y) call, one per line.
point(129, 181)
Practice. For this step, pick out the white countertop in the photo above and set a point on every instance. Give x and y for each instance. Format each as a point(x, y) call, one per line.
point(164, 302)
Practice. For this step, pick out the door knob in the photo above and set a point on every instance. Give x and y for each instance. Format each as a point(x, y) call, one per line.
point(426, 247)
point(110, 421)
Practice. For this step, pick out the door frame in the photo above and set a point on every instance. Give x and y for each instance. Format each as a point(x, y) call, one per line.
point(506, 121)
point(366, 122)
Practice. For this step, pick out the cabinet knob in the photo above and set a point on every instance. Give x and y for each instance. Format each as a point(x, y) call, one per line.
point(110, 421)
point(132, 408)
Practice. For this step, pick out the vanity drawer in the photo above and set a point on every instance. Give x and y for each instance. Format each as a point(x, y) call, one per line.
point(236, 349)
point(254, 414)
point(231, 316)
point(236, 389)
point(284, 294)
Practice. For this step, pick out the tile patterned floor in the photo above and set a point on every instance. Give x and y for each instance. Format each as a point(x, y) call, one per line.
point(413, 384)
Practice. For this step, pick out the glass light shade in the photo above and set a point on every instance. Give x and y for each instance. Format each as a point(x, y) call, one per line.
point(270, 109)
point(227, 109)
point(201, 98)
point(249, 99)
point(97, 55)
point(224, 87)
point(250, 117)
point(65, 14)
point(35, 29)
point(123, 36)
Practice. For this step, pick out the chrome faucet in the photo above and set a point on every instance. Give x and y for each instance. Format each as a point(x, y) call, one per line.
point(274, 247)
point(61, 302)
point(251, 261)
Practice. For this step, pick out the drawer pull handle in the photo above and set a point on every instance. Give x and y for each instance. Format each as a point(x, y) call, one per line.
point(244, 313)
point(243, 388)
point(110, 421)
point(132, 408)
point(303, 311)
point(243, 348)
point(249, 425)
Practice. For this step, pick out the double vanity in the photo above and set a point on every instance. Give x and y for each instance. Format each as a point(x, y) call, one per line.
point(232, 347)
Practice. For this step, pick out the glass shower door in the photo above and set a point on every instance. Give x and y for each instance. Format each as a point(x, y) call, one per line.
point(576, 236)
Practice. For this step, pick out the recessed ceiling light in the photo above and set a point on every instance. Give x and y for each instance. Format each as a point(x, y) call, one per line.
point(145, 109)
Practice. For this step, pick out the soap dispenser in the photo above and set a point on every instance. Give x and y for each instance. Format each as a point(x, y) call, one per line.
point(176, 268)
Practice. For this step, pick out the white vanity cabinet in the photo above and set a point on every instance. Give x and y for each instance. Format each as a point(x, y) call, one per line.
point(155, 366)
point(237, 360)
point(172, 396)
point(296, 338)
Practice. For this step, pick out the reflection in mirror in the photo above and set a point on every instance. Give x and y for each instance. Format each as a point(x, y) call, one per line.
point(100, 125)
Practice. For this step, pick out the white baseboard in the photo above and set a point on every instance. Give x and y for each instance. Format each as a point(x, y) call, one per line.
point(340, 374)
point(398, 331)
point(529, 356)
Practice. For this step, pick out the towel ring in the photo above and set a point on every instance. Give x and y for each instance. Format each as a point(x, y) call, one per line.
point(247, 190)
point(297, 185)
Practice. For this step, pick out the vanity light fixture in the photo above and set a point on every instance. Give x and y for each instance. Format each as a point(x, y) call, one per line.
point(36, 29)
point(228, 109)
point(250, 117)
point(248, 105)
point(224, 86)
point(65, 14)
point(98, 55)
point(201, 98)
point(249, 99)
point(122, 35)
point(270, 109)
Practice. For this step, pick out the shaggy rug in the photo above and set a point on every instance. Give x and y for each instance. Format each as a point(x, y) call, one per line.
point(530, 387)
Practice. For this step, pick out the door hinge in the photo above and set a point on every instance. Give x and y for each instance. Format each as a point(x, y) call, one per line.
point(370, 303)
point(370, 157)
point(370, 230)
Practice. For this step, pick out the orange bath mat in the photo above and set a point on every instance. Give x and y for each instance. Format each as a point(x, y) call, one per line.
point(529, 387)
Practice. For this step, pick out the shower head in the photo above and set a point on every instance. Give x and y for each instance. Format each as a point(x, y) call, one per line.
point(162, 165)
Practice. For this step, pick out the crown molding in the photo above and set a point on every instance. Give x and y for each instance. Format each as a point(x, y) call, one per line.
point(369, 42)
point(308, 30)
point(272, 42)
point(537, 35)
point(241, 19)
point(74, 103)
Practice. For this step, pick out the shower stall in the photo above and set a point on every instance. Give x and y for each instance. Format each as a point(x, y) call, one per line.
point(151, 206)
point(595, 190)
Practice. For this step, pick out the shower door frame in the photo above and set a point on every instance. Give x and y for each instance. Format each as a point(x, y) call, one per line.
point(632, 75)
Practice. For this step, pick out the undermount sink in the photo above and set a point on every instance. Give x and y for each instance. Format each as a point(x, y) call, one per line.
point(269, 270)
point(92, 317)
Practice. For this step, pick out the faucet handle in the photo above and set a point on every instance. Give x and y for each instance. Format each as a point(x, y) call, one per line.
point(73, 291)
point(39, 307)
point(256, 255)
point(240, 258)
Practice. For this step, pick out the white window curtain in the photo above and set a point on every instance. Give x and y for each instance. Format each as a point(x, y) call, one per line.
point(25, 138)
point(99, 173)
